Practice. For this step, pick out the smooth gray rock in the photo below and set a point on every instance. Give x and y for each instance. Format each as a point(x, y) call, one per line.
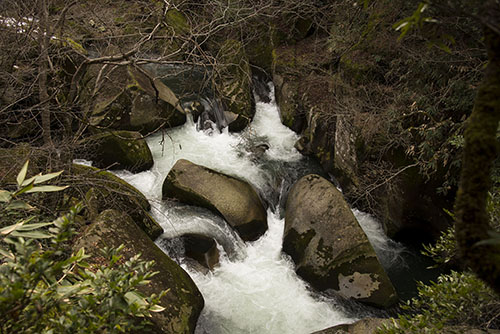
point(233, 199)
point(329, 247)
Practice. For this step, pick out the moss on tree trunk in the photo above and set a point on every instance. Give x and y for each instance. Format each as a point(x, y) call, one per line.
point(480, 151)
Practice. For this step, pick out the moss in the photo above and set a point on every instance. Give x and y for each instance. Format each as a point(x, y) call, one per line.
point(235, 82)
point(75, 46)
point(105, 190)
point(119, 150)
point(295, 244)
point(177, 21)
point(183, 301)
point(480, 151)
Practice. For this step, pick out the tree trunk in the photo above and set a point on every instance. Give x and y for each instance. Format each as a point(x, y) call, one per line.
point(480, 151)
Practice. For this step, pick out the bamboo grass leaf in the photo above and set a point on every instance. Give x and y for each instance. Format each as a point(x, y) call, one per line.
point(22, 174)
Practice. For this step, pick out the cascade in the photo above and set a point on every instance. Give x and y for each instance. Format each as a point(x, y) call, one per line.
point(255, 288)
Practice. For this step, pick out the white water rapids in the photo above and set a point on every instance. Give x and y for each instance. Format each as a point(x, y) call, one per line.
point(258, 291)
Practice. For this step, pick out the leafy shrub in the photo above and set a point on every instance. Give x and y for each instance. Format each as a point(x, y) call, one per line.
point(42, 290)
point(457, 300)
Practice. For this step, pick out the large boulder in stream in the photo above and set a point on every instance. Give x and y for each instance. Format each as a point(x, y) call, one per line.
point(328, 246)
point(118, 150)
point(183, 302)
point(233, 199)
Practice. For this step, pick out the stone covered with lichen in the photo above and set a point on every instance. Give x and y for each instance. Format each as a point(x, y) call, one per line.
point(183, 301)
point(105, 190)
point(118, 150)
point(235, 82)
point(328, 246)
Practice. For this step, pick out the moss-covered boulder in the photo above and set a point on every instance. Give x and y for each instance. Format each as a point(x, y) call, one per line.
point(305, 96)
point(103, 190)
point(183, 301)
point(233, 199)
point(133, 99)
point(235, 81)
point(118, 150)
point(329, 247)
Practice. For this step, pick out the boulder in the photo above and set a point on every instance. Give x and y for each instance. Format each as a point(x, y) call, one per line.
point(363, 326)
point(118, 150)
point(235, 81)
point(328, 246)
point(201, 248)
point(183, 302)
point(133, 99)
point(104, 190)
point(233, 199)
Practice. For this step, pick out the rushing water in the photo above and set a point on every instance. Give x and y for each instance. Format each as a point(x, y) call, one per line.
point(255, 288)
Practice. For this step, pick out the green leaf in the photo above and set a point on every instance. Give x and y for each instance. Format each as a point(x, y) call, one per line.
point(46, 189)
point(22, 174)
point(156, 308)
point(34, 226)
point(19, 205)
point(30, 180)
point(4, 253)
point(495, 240)
point(5, 196)
point(31, 234)
point(133, 297)
point(44, 178)
point(9, 229)
point(23, 190)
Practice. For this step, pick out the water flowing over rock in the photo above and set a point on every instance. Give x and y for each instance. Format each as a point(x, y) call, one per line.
point(329, 247)
point(234, 199)
point(183, 301)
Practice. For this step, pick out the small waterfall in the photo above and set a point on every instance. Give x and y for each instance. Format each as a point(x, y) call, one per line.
point(388, 251)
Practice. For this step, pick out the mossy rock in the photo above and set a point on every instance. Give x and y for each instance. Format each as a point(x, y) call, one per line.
point(328, 246)
point(177, 21)
point(363, 326)
point(134, 100)
point(102, 190)
point(229, 197)
point(118, 150)
point(235, 83)
point(183, 302)
point(287, 96)
point(148, 114)
point(260, 50)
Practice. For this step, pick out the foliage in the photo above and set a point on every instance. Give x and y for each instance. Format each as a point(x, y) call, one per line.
point(457, 299)
point(42, 290)
point(444, 250)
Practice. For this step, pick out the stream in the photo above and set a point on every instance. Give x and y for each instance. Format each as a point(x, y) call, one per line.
point(255, 288)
